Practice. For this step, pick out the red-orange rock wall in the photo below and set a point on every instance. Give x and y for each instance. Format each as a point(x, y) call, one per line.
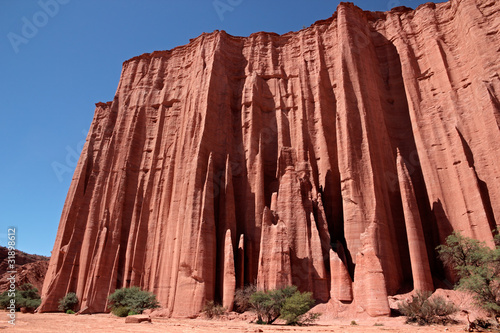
point(201, 139)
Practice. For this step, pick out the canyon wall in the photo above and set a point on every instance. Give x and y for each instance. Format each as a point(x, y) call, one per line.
point(335, 159)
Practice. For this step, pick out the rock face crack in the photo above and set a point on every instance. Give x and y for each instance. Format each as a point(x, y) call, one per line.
point(335, 158)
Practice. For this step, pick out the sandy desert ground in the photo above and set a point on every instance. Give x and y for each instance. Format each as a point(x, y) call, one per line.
point(59, 322)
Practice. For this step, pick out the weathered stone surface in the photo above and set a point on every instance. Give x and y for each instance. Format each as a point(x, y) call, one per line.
point(274, 259)
point(240, 263)
point(198, 138)
point(291, 211)
point(137, 319)
point(317, 269)
point(421, 271)
point(370, 288)
point(341, 283)
point(28, 268)
point(229, 278)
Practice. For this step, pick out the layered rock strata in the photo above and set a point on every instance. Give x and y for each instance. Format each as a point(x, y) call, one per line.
point(284, 151)
point(29, 268)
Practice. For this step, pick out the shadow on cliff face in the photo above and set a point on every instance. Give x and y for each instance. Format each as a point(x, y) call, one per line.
point(483, 187)
point(398, 122)
point(442, 228)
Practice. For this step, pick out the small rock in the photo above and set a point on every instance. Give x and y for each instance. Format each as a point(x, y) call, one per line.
point(136, 319)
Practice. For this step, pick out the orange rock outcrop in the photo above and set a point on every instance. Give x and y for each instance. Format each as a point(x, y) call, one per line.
point(29, 268)
point(335, 158)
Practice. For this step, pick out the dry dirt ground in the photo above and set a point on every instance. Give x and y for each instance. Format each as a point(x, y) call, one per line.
point(98, 323)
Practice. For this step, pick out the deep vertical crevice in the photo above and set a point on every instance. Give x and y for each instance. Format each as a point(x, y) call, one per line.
point(496, 103)
point(132, 192)
point(218, 190)
point(483, 187)
point(400, 131)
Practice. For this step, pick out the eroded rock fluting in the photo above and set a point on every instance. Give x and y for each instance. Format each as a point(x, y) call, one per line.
point(334, 158)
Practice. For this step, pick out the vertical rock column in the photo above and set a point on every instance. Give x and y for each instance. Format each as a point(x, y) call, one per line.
point(196, 276)
point(370, 290)
point(240, 262)
point(229, 276)
point(274, 257)
point(341, 283)
point(421, 271)
point(318, 271)
point(361, 137)
point(292, 213)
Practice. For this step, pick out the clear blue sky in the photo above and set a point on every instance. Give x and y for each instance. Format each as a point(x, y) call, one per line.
point(56, 62)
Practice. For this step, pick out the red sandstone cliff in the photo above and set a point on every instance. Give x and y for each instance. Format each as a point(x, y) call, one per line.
point(335, 158)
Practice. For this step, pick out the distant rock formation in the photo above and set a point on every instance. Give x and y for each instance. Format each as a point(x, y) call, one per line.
point(30, 268)
point(335, 159)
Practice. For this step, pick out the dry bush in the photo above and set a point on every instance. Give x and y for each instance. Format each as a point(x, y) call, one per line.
point(424, 310)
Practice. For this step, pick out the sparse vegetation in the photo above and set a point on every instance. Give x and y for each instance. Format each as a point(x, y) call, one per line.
point(477, 267)
point(70, 312)
point(308, 319)
point(296, 306)
point(481, 322)
point(354, 323)
point(132, 313)
point(287, 303)
point(131, 299)
point(121, 311)
point(213, 310)
point(68, 302)
point(242, 298)
point(25, 296)
point(425, 310)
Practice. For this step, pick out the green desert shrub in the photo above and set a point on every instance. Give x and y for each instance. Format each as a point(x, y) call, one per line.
point(30, 303)
point(477, 267)
point(295, 308)
point(132, 313)
point(121, 311)
point(68, 302)
point(132, 299)
point(70, 312)
point(213, 310)
point(424, 310)
point(25, 296)
point(287, 303)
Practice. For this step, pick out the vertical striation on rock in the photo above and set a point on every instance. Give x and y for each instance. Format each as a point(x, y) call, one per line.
point(229, 277)
point(371, 136)
point(422, 278)
point(341, 283)
point(240, 263)
point(274, 258)
point(317, 269)
point(370, 288)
